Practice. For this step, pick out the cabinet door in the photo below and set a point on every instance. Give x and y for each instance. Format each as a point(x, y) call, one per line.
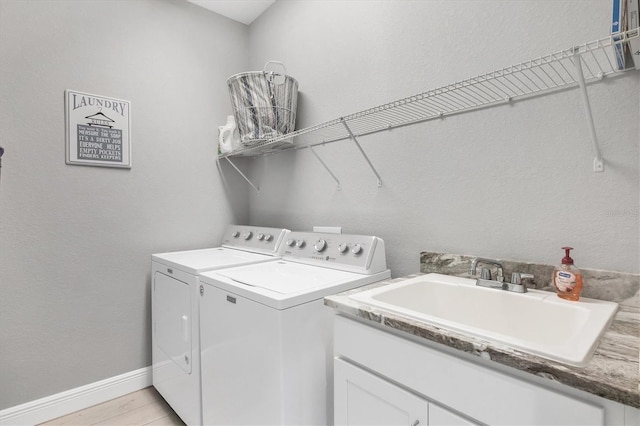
point(438, 416)
point(362, 398)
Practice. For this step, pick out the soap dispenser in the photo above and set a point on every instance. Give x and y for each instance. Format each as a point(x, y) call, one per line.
point(567, 279)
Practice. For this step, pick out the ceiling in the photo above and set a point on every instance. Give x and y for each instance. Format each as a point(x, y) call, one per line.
point(244, 11)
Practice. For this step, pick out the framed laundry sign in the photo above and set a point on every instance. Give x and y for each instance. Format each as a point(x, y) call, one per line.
point(98, 130)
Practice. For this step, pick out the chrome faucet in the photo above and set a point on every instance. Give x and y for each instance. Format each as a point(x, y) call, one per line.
point(485, 272)
point(516, 284)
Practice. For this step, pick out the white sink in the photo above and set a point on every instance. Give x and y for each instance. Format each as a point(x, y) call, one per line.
point(537, 322)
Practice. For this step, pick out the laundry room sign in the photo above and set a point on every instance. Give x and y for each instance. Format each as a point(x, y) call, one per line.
point(98, 130)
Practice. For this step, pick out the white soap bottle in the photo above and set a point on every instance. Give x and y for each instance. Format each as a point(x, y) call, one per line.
point(228, 137)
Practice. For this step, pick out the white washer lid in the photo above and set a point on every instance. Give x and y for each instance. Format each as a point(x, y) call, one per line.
point(196, 261)
point(286, 277)
point(282, 284)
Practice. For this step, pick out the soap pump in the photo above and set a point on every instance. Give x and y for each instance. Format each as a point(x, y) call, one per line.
point(567, 279)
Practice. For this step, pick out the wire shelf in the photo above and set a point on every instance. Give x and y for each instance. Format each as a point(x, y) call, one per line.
point(553, 72)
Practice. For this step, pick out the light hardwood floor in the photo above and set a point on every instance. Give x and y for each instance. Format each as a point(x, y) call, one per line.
point(144, 407)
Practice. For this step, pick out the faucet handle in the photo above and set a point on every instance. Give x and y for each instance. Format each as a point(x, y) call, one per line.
point(516, 277)
point(485, 274)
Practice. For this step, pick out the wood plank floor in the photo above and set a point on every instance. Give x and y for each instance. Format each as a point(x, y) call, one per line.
point(144, 407)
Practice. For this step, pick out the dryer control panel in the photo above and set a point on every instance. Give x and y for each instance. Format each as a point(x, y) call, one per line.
point(255, 238)
point(364, 254)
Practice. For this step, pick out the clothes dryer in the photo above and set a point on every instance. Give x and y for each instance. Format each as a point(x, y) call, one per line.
point(266, 336)
point(175, 310)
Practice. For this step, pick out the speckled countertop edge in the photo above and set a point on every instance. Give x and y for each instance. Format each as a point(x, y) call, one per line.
point(613, 372)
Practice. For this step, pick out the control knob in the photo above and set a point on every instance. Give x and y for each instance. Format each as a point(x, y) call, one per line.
point(268, 237)
point(300, 243)
point(343, 247)
point(320, 245)
point(357, 249)
point(247, 235)
point(235, 234)
point(260, 236)
point(291, 242)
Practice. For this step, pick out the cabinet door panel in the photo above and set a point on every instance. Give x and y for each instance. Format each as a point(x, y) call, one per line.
point(362, 398)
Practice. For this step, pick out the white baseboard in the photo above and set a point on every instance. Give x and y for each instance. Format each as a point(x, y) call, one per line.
point(63, 403)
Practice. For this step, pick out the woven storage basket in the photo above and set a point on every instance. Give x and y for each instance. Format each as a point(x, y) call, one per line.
point(264, 104)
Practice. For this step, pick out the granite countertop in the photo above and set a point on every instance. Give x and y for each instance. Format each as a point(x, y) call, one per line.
point(613, 372)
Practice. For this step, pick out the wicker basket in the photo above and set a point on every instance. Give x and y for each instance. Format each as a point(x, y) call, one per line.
point(264, 104)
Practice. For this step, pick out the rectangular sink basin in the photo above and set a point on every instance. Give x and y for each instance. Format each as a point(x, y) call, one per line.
point(536, 322)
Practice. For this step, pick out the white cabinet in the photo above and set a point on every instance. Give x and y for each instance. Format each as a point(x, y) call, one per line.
point(364, 399)
point(392, 378)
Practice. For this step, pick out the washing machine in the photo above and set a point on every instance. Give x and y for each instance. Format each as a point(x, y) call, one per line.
point(175, 309)
point(266, 336)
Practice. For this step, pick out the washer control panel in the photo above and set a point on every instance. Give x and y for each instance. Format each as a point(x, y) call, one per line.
point(255, 238)
point(358, 253)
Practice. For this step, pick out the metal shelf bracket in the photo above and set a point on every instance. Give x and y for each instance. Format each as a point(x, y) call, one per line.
point(353, 137)
point(325, 166)
point(243, 175)
point(598, 161)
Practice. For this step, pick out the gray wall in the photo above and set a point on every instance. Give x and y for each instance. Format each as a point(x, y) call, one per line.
point(75, 242)
point(511, 182)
